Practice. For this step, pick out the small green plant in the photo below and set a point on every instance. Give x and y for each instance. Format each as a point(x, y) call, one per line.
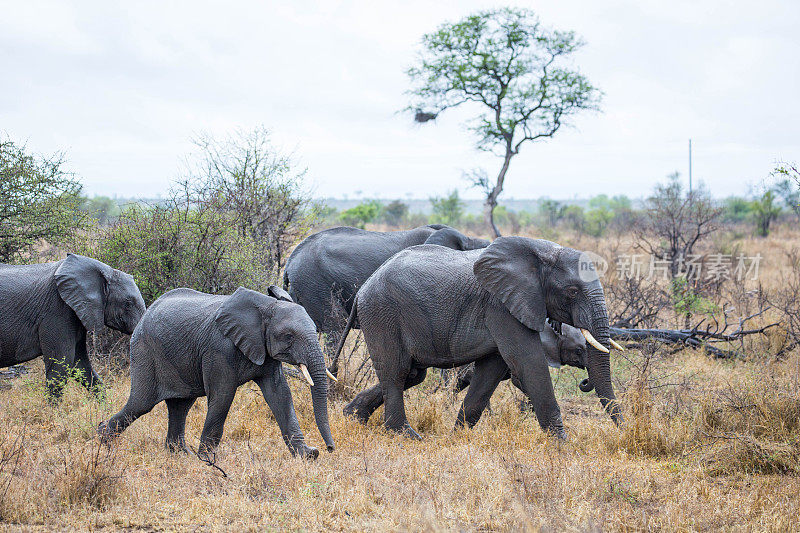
point(687, 302)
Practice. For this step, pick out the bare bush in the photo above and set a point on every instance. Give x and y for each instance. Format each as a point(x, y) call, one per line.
point(246, 177)
point(675, 222)
point(786, 301)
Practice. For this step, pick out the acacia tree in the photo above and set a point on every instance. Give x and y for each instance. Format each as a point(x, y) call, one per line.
point(513, 71)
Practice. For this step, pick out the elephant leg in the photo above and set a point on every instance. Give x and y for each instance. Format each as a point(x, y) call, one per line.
point(178, 409)
point(56, 370)
point(364, 404)
point(88, 376)
point(143, 397)
point(279, 398)
point(524, 404)
point(521, 349)
point(219, 403)
point(135, 407)
point(463, 377)
point(368, 401)
point(394, 412)
point(488, 373)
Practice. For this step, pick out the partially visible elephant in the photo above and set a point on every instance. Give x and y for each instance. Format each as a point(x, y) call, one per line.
point(46, 309)
point(565, 348)
point(325, 271)
point(190, 344)
point(432, 307)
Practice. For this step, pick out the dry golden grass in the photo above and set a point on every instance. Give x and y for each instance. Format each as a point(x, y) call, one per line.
point(713, 446)
point(707, 444)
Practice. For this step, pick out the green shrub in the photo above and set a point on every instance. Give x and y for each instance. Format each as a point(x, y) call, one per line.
point(395, 213)
point(165, 247)
point(447, 209)
point(39, 203)
point(362, 214)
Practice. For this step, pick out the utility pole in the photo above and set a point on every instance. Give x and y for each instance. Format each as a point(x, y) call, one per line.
point(690, 166)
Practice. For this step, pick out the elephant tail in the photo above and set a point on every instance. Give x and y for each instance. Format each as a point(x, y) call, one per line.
point(286, 280)
point(334, 369)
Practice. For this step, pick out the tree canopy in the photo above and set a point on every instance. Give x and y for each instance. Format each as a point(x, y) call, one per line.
point(39, 202)
point(515, 74)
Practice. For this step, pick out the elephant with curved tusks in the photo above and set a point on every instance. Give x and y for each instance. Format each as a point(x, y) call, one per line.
point(46, 309)
point(326, 270)
point(433, 307)
point(567, 347)
point(190, 344)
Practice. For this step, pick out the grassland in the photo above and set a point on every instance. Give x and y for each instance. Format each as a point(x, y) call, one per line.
point(708, 444)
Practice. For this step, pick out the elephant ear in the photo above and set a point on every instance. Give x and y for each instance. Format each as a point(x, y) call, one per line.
point(81, 283)
point(279, 294)
point(509, 269)
point(241, 318)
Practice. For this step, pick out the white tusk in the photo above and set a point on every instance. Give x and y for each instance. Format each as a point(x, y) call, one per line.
point(591, 340)
point(333, 378)
point(616, 345)
point(304, 370)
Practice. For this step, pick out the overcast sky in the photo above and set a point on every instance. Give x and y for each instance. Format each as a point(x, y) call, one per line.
point(121, 88)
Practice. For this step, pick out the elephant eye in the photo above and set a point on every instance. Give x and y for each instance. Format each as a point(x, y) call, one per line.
point(288, 338)
point(572, 292)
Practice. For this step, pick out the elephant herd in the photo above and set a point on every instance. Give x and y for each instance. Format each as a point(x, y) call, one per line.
point(426, 297)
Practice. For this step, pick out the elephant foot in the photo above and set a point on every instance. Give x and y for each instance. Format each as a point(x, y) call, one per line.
point(557, 431)
point(407, 431)
point(106, 434)
point(308, 453)
point(176, 446)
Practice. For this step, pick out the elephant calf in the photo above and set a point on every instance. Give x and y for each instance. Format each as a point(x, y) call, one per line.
point(565, 348)
point(46, 309)
point(190, 344)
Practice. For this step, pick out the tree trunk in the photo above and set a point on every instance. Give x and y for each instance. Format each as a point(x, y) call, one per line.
point(491, 197)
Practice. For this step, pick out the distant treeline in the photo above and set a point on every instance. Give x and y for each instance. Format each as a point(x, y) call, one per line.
point(593, 215)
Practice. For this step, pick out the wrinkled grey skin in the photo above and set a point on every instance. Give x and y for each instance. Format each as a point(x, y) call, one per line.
point(567, 348)
point(46, 309)
point(326, 270)
point(432, 307)
point(190, 344)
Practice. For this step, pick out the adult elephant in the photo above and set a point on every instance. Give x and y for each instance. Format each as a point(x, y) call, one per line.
point(326, 270)
point(564, 347)
point(46, 309)
point(432, 307)
point(191, 344)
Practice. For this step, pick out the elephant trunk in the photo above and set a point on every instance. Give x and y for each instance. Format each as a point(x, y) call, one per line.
point(319, 395)
point(599, 363)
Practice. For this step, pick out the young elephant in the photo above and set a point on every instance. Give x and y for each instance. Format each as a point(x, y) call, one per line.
point(429, 306)
point(191, 344)
point(46, 309)
point(565, 348)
